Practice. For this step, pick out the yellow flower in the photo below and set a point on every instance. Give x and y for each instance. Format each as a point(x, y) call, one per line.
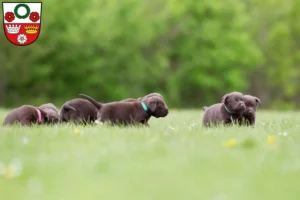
point(8, 172)
point(271, 139)
point(76, 131)
point(12, 170)
point(230, 143)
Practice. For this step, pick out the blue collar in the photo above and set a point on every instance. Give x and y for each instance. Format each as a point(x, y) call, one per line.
point(228, 110)
point(144, 106)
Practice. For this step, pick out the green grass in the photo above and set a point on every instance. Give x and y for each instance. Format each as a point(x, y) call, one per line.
point(176, 158)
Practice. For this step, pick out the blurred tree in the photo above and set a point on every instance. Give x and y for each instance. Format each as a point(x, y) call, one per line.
point(276, 80)
point(192, 52)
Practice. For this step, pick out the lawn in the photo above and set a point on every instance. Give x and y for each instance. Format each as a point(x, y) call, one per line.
point(176, 158)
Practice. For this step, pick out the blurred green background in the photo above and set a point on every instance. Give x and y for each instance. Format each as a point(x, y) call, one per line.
point(193, 52)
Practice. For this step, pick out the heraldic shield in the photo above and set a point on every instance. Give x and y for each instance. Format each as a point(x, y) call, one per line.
point(22, 22)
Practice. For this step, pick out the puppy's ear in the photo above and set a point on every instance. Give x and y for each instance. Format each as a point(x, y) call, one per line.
point(68, 108)
point(43, 112)
point(44, 115)
point(151, 103)
point(257, 101)
point(224, 98)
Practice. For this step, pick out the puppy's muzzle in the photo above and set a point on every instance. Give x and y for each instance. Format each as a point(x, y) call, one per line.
point(164, 113)
point(161, 113)
point(241, 107)
point(250, 112)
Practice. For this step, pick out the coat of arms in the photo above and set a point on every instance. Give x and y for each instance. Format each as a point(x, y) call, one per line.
point(22, 22)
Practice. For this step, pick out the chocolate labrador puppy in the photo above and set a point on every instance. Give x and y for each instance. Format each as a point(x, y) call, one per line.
point(52, 112)
point(130, 113)
point(143, 99)
point(27, 115)
point(78, 111)
point(227, 112)
point(248, 116)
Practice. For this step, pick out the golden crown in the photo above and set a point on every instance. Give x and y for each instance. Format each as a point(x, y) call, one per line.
point(31, 29)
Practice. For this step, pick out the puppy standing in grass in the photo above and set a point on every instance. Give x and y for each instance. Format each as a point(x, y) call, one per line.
point(130, 113)
point(227, 112)
point(248, 116)
point(28, 115)
point(143, 99)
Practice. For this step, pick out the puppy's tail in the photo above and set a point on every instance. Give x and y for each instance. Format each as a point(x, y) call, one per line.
point(205, 108)
point(93, 101)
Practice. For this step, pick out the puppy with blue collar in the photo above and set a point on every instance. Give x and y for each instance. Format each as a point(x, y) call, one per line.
point(129, 113)
point(144, 99)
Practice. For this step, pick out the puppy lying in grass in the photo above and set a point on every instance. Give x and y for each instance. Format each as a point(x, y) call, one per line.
point(28, 115)
point(52, 112)
point(227, 112)
point(248, 116)
point(130, 111)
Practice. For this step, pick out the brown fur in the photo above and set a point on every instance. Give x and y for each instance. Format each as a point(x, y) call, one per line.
point(129, 100)
point(145, 98)
point(78, 110)
point(249, 115)
point(217, 113)
point(51, 111)
point(129, 112)
point(26, 115)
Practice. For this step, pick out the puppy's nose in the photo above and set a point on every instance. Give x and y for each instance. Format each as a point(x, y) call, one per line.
point(243, 106)
point(166, 112)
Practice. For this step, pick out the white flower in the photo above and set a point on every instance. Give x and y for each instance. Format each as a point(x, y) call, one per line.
point(16, 167)
point(283, 134)
point(25, 140)
point(22, 38)
point(192, 126)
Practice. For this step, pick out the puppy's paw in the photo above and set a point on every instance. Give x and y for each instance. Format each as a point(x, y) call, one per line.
point(98, 122)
